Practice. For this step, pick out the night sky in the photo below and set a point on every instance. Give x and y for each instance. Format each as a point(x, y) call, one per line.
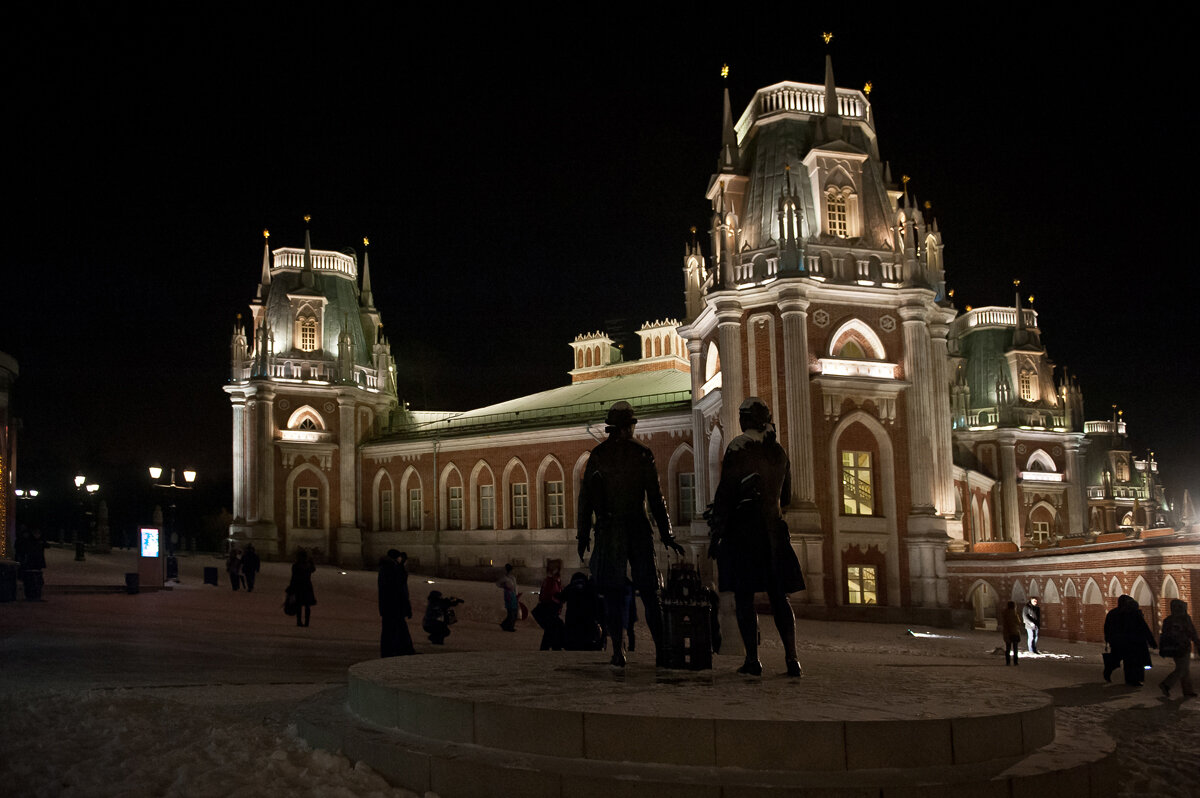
point(525, 179)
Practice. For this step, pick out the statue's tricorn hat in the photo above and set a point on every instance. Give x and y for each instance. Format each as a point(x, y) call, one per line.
point(620, 415)
point(754, 413)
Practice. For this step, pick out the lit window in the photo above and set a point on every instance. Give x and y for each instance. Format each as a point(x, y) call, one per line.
point(308, 424)
point(1122, 470)
point(308, 334)
point(415, 513)
point(456, 507)
point(858, 498)
point(860, 581)
point(687, 497)
point(1027, 384)
point(520, 505)
point(308, 507)
point(555, 505)
point(385, 509)
point(835, 207)
point(487, 506)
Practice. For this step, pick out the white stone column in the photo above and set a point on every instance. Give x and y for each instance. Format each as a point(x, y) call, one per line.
point(239, 458)
point(699, 445)
point(943, 455)
point(799, 399)
point(1077, 517)
point(348, 539)
point(729, 336)
point(264, 410)
point(919, 410)
point(1008, 490)
point(347, 454)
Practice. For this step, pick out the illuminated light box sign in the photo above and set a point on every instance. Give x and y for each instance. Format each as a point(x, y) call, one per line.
point(149, 538)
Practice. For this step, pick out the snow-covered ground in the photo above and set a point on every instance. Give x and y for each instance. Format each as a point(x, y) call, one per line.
point(188, 692)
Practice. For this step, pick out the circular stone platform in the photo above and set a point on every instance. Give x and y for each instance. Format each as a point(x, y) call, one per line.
point(574, 705)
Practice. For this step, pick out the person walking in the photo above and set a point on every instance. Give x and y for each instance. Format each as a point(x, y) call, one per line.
point(748, 536)
point(1010, 630)
point(251, 565)
point(618, 488)
point(394, 606)
point(1032, 616)
point(549, 607)
point(302, 587)
point(233, 566)
point(508, 584)
point(1130, 638)
point(1175, 642)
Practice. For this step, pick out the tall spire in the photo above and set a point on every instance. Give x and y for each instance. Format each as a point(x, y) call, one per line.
point(266, 264)
point(728, 162)
point(307, 278)
point(368, 301)
point(831, 106)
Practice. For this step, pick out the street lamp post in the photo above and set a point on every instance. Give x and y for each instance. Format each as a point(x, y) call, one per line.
point(85, 492)
point(171, 531)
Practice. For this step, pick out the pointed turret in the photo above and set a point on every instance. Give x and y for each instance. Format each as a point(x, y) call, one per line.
point(695, 277)
point(264, 282)
point(307, 276)
point(729, 160)
point(833, 117)
point(368, 301)
point(1024, 337)
point(789, 224)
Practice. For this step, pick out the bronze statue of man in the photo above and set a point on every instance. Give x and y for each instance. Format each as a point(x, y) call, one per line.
point(619, 482)
point(749, 538)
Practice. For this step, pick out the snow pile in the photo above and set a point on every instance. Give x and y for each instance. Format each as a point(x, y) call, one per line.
point(124, 743)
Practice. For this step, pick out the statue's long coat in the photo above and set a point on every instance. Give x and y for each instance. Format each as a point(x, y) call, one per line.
point(619, 482)
point(754, 548)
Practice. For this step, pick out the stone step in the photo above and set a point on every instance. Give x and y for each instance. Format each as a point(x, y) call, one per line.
point(576, 705)
point(1077, 764)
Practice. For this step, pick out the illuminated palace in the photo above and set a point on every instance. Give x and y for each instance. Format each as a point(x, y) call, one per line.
point(939, 464)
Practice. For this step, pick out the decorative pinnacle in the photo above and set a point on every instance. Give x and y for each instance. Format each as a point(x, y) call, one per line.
point(1031, 299)
point(266, 233)
point(1016, 283)
point(827, 37)
point(307, 218)
point(904, 179)
point(951, 293)
point(366, 241)
point(693, 229)
point(725, 71)
point(239, 317)
point(867, 88)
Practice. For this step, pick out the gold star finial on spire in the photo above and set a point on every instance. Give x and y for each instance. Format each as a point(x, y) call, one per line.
point(867, 88)
point(1031, 299)
point(366, 241)
point(827, 36)
point(307, 218)
point(266, 233)
point(725, 70)
point(1016, 283)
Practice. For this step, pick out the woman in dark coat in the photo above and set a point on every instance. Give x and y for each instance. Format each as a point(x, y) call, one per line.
point(301, 586)
point(1130, 639)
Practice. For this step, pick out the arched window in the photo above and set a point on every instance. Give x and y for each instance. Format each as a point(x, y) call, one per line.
point(1027, 381)
point(1122, 469)
point(308, 333)
point(836, 214)
point(852, 350)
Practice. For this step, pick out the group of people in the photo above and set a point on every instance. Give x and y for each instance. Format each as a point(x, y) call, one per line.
point(395, 609)
point(1127, 637)
point(584, 628)
point(243, 567)
point(1010, 628)
point(1129, 641)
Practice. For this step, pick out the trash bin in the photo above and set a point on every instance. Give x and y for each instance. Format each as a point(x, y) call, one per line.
point(132, 583)
point(210, 575)
point(8, 579)
point(172, 569)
